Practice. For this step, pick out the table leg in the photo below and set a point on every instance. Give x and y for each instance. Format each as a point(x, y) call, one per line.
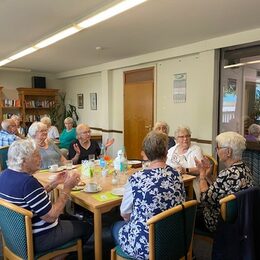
point(98, 234)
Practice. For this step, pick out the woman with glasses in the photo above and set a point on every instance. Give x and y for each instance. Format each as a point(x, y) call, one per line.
point(81, 148)
point(235, 177)
point(50, 153)
point(181, 156)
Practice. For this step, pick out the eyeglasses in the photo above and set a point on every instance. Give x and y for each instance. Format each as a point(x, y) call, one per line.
point(219, 148)
point(184, 136)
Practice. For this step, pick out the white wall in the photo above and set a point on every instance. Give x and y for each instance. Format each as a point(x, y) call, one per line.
point(196, 112)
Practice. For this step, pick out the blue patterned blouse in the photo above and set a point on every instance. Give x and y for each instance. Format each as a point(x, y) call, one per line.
point(153, 191)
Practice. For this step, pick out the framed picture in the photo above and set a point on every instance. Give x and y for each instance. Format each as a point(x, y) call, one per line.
point(93, 101)
point(80, 101)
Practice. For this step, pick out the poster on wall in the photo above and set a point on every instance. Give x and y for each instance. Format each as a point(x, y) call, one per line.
point(179, 88)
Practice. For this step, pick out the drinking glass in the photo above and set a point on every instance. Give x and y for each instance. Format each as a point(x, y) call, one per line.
point(68, 165)
point(91, 157)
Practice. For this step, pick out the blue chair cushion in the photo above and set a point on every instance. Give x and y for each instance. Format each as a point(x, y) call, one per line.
point(121, 253)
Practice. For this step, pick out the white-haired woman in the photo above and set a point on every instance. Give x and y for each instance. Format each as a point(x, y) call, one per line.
point(50, 153)
point(182, 155)
point(67, 136)
point(18, 186)
point(235, 177)
point(163, 127)
point(253, 133)
point(53, 132)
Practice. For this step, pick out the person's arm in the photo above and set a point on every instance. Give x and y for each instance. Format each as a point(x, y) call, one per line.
point(58, 206)
point(127, 202)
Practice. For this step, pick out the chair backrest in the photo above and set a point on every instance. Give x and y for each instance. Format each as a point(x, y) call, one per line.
point(15, 223)
point(3, 157)
point(238, 236)
point(171, 232)
point(214, 166)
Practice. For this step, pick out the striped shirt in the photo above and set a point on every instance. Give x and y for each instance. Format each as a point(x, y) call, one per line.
point(25, 191)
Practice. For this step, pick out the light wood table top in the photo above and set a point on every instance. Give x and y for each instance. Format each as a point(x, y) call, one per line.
point(88, 201)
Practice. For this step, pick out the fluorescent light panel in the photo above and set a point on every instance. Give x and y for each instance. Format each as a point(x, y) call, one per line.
point(110, 12)
point(57, 37)
point(241, 64)
point(102, 16)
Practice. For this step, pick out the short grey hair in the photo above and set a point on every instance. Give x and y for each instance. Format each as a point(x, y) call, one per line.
point(35, 127)
point(80, 127)
point(68, 120)
point(160, 124)
point(6, 123)
point(181, 128)
point(18, 152)
point(254, 130)
point(155, 145)
point(46, 120)
point(234, 141)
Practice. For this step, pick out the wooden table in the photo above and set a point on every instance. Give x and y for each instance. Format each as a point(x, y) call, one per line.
point(87, 201)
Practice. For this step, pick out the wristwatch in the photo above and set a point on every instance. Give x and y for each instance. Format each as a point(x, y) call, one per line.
point(187, 170)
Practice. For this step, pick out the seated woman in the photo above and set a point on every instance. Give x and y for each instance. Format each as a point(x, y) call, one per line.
point(80, 149)
point(20, 132)
point(164, 128)
point(50, 153)
point(235, 177)
point(253, 133)
point(67, 136)
point(147, 193)
point(53, 132)
point(18, 186)
point(181, 156)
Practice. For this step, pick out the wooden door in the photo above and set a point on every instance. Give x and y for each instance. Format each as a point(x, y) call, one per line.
point(138, 114)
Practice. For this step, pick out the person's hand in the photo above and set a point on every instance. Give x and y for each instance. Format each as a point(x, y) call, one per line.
point(60, 178)
point(109, 142)
point(202, 166)
point(72, 180)
point(76, 148)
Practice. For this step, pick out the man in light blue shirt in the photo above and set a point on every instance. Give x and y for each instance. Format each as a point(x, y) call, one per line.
point(7, 134)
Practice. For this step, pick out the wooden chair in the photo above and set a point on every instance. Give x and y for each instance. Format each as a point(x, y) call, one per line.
point(214, 167)
point(16, 226)
point(3, 157)
point(170, 234)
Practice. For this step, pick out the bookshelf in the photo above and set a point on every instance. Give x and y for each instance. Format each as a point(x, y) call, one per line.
point(8, 107)
point(35, 103)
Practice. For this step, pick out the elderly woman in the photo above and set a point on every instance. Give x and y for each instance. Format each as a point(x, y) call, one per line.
point(7, 134)
point(68, 134)
point(253, 133)
point(53, 132)
point(140, 201)
point(18, 186)
point(50, 153)
point(181, 156)
point(20, 132)
point(235, 177)
point(164, 128)
point(80, 149)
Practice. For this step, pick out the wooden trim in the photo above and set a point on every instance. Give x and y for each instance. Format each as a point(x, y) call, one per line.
point(171, 211)
point(201, 141)
point(223, 205)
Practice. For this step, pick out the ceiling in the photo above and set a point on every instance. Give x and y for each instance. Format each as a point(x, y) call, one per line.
point(152, 26)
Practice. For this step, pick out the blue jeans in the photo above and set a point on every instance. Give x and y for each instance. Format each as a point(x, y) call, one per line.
point(115, 230)
point(64, 232)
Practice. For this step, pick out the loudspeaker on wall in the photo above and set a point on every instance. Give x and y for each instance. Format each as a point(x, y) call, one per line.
point(38, 82)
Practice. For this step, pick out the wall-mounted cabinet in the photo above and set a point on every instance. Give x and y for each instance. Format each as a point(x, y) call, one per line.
point(36, 102)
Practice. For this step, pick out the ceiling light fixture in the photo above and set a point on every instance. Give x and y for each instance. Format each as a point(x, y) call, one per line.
point(109, 12)
point(57, 37)
point(241, 64)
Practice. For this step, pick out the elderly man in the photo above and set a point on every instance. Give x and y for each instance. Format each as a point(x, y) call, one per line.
point(48, 230)
point(7, 134)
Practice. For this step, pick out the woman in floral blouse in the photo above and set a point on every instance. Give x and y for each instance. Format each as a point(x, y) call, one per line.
point(147, 193)
point(235, 177)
